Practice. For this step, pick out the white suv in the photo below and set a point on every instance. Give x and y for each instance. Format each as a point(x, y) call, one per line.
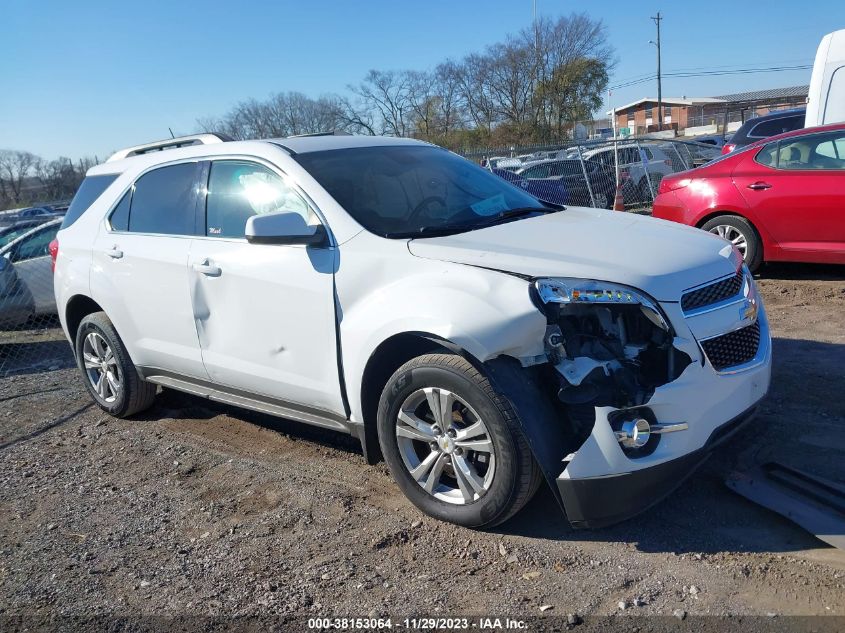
point(479, 341)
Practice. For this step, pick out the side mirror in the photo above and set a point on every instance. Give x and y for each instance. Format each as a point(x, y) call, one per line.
point(285, 227)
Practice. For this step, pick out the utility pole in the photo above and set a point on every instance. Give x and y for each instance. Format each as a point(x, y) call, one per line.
point(657, 20)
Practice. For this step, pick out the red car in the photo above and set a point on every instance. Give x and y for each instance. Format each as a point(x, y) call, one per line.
point(779, 199)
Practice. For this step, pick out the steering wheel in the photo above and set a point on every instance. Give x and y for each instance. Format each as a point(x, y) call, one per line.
point(424, 205)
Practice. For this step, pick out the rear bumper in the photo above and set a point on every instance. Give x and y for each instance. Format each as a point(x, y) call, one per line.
point(596, 502)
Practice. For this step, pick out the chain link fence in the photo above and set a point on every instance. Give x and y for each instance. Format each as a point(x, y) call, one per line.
point(584, 173)
point(31, 339)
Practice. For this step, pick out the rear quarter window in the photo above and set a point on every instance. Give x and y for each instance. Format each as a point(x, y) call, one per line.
point(90, 189)
point(776, 126)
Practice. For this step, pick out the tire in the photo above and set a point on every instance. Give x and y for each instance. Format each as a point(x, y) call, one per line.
point(121, 391)
point(730, 226)
point(507, 474)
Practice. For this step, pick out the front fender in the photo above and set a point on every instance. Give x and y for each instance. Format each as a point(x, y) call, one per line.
point(484, 312)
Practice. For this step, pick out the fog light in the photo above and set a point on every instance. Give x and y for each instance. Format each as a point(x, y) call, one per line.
point(634, 433)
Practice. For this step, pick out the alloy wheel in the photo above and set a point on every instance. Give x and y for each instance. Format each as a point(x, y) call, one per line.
point(733, 235)
point(101, 367)
point(445, 446)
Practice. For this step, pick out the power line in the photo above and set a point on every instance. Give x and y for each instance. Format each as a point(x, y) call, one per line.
point(712, 73)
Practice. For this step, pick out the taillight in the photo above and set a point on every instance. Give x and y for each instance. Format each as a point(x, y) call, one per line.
point(727, 148)
point(668, 162)
point(54, 253)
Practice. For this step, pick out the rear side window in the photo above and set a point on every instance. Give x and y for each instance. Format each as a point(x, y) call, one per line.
point(90, 189)
point(163, 201)
point(776, 126)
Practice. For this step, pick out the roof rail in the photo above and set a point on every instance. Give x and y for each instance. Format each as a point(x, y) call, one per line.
point(329, 133)
point(170, 143)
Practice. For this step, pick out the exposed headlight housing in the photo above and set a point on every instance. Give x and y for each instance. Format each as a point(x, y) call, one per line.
point(565, 290)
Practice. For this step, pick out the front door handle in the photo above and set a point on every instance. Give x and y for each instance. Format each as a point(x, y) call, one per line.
point(114, 252)
point(207, 268)
point(759, 185)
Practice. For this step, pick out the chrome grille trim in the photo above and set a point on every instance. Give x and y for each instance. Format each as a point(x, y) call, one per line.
point(713, 295)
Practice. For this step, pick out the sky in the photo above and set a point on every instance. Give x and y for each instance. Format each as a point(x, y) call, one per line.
point(88, 77)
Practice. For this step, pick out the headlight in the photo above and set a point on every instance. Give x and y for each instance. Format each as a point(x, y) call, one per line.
point(565, 290)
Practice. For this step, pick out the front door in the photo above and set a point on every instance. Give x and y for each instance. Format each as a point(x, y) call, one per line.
point(795, 188)
point(264, 314)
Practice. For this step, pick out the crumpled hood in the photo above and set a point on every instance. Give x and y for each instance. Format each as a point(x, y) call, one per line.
point(659, 257)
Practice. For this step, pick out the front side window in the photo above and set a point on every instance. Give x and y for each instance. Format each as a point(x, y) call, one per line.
point(538, 171)
point(237, 190)
point(410, 190)
point(163, 201)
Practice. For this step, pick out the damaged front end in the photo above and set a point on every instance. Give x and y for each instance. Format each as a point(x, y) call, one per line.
point(611, 345)
point(608, 348)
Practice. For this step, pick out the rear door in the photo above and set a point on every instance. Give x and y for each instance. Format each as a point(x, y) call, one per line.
point(796, 189)
point(264, 313)
point(140, 269)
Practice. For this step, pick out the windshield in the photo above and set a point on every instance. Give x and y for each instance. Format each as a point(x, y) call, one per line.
point(412, 190)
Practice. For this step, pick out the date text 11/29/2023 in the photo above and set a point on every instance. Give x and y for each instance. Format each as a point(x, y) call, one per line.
point(418, 624)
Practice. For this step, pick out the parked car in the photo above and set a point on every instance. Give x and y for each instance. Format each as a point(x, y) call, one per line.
point(765, 126)
point(478, 340)
point(16, 302)
point(13, 231)
point(715, 140)
point(826, 97)
point(641, 168)
point(781, 199)
point(30, 256)
point(598, 188)
point(549, 191)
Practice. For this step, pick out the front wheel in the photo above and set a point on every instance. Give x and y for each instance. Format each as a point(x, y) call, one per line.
point(739, 232)
point(453, 444)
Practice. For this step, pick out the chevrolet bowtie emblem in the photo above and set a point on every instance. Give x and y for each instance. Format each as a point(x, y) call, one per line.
point(749, 310)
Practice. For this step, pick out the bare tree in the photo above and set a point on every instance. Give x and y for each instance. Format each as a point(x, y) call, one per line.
point(387, 94)
point(15, 167)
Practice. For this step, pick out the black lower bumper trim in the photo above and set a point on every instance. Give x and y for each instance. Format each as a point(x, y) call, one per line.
point(597, 502)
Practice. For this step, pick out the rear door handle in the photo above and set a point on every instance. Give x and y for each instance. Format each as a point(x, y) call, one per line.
point(207, 268)
point(114, 252)
point(757, 186)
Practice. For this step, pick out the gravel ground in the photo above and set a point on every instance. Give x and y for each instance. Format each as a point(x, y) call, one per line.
point(199, 509)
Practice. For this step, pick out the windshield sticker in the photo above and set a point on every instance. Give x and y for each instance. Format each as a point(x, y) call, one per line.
point(490, 206)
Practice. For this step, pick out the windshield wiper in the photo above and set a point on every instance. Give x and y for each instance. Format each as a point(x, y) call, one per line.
point(451, 229)
point(510, 214)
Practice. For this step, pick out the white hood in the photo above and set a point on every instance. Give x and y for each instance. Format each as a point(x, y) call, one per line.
point(659, 257)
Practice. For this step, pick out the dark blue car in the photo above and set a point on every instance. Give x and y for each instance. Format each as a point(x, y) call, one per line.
point(552, 191)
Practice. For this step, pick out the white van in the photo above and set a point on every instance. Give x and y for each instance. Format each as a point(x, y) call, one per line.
point(826, 100)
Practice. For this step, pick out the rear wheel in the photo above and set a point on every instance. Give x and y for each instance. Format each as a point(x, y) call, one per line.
point(108, 372)
point(453, 444)
point(739, 232)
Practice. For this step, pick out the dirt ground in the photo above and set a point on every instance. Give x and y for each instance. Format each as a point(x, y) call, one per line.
point(199, 509)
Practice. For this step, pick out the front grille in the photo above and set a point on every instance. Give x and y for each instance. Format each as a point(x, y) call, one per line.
point(714, 293)
point(733, 348)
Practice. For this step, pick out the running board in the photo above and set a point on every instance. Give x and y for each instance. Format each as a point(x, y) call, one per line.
point(814, 503)
point(251, 401)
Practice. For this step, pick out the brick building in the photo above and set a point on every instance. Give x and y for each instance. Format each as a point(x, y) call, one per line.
point(705, 115)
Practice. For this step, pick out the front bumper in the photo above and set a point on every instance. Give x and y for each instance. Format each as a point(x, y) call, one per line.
point(596, 502)
point(601, 485)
